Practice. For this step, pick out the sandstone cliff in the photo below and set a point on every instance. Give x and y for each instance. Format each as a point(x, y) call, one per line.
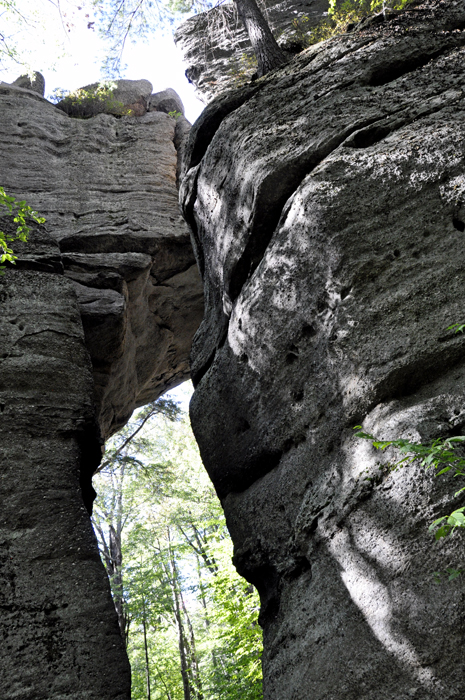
point(107, 187)
point(96, 318)
point(327, 208)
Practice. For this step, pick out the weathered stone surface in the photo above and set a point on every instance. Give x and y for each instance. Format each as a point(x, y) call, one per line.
point(166, 101)
point(36, 82)
point(59, 632)
point(127, 97)
point(217, 51)
point(181, 136)
point(107, 187)
point(96, 318)
point(327, 205)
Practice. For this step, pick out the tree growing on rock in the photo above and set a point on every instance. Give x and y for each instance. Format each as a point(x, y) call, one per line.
point(119, 19)
point(268, 53)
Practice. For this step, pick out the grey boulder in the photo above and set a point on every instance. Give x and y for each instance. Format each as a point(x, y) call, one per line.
point(166, 101)
point(118, 97)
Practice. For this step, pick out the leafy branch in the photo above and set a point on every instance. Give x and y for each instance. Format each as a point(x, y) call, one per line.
point(20, 212)
point(440, 454)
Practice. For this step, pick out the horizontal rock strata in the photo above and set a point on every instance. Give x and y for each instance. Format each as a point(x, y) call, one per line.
point(58, 630)
point(327, 207)
point(107, 188)
point(96, 318)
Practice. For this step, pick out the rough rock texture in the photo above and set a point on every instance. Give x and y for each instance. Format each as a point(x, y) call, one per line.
point(36, 82)
point(59, 634)
point(217, 51)
point(166, 101)
point(327, 205)
point(107, 187)
point(96, 318)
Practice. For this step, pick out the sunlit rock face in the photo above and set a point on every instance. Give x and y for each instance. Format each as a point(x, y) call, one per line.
point(107, 188)
point(96, 318)
point(216, 49)
point(327, 207)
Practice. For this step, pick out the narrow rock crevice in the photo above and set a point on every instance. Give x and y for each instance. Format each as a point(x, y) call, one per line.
point(207, 125)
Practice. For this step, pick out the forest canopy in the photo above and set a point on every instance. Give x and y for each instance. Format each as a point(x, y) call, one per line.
point(188, 620)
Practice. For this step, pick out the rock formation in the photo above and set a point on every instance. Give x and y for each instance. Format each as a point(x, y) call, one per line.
point(96, 318)
point(107, 188)
point(327, 208)
point(217, 51)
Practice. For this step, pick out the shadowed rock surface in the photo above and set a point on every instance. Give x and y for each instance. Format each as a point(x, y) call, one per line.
point(217, 51)
point(36, 82)
point(327, 208)
point(97, 317)
point(59, 633)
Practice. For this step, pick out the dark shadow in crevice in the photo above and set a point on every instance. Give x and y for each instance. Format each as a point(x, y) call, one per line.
point(274, 192)
point(459, 225)
point(397, 68)
point(90, 447)
point(210, 120)
point(364, 138)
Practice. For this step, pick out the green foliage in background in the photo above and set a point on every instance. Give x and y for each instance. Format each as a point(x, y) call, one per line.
point(20, 213)
point(189, 620)
point(120, 21)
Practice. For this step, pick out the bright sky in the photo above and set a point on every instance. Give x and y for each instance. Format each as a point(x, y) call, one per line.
point(69, 54)
point(182, 394)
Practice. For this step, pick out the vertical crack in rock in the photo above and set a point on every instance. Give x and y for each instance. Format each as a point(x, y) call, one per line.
point(210, 120)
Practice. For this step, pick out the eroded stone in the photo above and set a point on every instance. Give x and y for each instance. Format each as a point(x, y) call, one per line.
point(326, 207)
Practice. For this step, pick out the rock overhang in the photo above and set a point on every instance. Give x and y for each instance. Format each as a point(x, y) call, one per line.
point(106, 185)
point(326, 202)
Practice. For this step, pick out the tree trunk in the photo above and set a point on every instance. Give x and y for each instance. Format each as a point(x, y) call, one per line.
point(267, 51)
point(146, 649)
point(186, 673)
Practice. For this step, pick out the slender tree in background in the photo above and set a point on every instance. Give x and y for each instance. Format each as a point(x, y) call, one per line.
point(190, 620)
point(111, 515)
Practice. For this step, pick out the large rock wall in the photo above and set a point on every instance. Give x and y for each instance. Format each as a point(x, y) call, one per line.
point(58, 630)
point(107, 187)
point(327, 208)
point(96, 318)
point(216, 49)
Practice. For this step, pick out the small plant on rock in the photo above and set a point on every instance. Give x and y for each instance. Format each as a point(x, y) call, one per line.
point(91, 100)
point(243, 69)
point(20, 212)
